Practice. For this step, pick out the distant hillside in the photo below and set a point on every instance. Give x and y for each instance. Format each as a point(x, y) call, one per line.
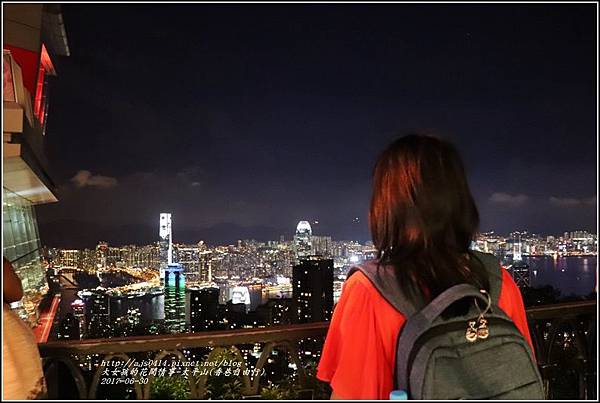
point(80, 234)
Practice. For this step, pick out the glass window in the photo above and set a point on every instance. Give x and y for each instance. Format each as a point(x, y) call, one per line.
point(22, 247)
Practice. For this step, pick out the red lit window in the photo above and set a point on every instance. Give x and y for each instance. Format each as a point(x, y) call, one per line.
point(46, 67)
point(39, 90)
point(45, 110)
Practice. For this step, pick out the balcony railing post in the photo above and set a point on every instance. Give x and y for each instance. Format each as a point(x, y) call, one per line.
point(51, 375)
point(575, 318)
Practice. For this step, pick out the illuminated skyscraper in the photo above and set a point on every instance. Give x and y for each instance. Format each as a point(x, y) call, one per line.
point(78, 307)
point(517, 256)
point(174, 302)
point(101, 254)
point(313, 289)
point(202, 308)
point(303, 240)
point(174, 279)
point(174, 305)
point(519, 270)
point(165, 242)
point(97, 315)
point(68, 328)
point(205, 271)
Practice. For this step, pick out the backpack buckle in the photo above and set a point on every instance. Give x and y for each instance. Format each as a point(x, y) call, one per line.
point(478, 329)
point(471, 334)
point(482, 331)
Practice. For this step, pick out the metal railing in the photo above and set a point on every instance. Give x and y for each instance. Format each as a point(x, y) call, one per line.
point(565, 341)
point(564, 338)
point(163, 346)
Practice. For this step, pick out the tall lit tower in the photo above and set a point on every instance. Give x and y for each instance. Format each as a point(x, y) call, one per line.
point(519, 270)
point(517, 250)
point(205, 267)
point(101, 253)
point(303, 240)
point(165, 243)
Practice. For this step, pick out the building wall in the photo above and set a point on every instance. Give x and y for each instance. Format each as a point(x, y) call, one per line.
point(312, 293)
point(25, 181)
point(21, 245)
point(22, 26)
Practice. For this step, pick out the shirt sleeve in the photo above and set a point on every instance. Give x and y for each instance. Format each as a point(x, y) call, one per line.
point(511, 302)
point(353, 358)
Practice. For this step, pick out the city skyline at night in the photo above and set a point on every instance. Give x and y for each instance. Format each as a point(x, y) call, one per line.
point(258, 117)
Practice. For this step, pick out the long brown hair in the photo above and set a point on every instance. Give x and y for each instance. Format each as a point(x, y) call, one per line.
point(423, 217)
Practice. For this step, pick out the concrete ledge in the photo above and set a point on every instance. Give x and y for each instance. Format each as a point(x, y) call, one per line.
point(13, 118)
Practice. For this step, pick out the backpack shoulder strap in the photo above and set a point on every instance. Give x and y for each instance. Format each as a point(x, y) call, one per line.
point(494, 269)
point(384, 280)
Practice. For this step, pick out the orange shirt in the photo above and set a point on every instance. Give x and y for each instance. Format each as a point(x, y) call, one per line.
point(358, 356)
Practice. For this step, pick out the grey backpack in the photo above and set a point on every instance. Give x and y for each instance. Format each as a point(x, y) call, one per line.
point(479, 355)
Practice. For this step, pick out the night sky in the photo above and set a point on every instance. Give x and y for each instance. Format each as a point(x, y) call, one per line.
point(242, 120)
